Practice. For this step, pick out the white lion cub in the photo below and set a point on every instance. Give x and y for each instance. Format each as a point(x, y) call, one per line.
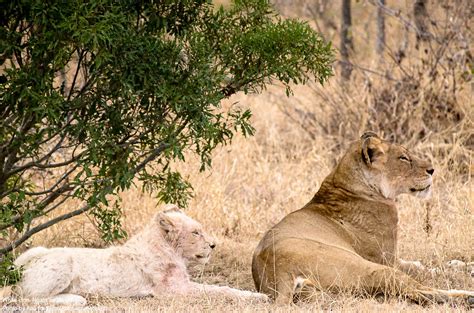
point(151, 263)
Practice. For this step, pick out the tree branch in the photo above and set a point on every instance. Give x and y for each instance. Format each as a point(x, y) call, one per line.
point(45, 166)
point(62, 178)
point(86, 207)
point(73, 85)
point(45, 225)
point(42, 205)
point(11, 153)
point(37, 163)
point(153, 155)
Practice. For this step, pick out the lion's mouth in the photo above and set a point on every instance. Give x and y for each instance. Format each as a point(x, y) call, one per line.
point(420, 189)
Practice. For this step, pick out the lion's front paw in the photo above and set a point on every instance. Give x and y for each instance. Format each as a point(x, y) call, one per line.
point(262, 297)
point(460, 266)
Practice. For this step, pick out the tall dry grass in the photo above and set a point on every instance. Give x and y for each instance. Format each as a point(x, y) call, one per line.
point(254, 182)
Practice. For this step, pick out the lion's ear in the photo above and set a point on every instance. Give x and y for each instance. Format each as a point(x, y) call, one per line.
point(165, 222)
point(372, 149)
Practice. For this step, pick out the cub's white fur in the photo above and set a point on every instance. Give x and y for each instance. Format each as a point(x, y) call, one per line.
point(151, 263)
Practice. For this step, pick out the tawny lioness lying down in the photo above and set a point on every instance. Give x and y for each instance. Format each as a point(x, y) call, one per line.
point(346, 236)
point(151, 263)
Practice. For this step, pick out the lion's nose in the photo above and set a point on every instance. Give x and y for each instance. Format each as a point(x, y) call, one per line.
point(212, 245)
point(430, 171)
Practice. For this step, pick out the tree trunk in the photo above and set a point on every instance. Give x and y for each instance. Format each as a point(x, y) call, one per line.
point(346, 40)
point(380, 43)
point(420, 16)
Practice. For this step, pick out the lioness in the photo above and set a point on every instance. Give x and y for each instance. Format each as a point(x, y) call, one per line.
point(151, 263)
point(346, 236)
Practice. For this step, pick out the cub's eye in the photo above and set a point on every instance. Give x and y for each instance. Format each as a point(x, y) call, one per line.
point(404, 158)
point(196, 233)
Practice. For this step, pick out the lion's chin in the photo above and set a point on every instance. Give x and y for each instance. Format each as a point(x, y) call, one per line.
point(424, 192)
point(201, 258)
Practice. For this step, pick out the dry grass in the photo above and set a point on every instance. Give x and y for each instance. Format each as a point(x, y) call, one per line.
point(255, 182)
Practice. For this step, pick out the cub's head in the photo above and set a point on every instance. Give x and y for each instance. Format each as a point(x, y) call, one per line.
point(378, 168)
point(185, 235)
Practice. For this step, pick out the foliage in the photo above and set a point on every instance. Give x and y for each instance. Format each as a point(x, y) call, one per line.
point(9, 273)
point(145, 82)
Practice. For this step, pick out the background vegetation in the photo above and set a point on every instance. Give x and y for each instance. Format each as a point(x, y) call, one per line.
point(147, 82)
point(417, 92)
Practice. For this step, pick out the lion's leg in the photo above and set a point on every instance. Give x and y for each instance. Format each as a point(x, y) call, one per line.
point(392, 281)
point(357, 273)
point(197, 289)
point(68, 299)
point(330, 267)
point(46, 277)
point(286, 286)
point(412, 268)
point(416, 269)
point(291, 289)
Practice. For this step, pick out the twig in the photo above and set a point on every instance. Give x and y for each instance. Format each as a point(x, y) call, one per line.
point(73, 85)
point(400, 17)
point(40, 227)
point(43, 204)
point(365, 69)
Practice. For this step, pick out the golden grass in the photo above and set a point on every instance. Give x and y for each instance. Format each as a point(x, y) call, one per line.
point(254, 182)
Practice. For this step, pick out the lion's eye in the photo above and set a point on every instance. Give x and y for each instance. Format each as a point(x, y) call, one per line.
point(404, 158)
point(196, 233)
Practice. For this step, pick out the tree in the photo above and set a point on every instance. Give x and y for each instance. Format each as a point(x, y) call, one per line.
point(346, 40)
point(147, 81)
point(380, 42)
point(421, 19)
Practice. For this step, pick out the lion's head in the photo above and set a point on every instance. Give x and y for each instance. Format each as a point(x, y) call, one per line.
point(376, 167)
point(185, 235)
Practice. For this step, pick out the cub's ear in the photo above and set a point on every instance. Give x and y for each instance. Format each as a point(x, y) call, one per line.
point(372, 149)
point(171, 208)
point(369, 134)
point(165, 222)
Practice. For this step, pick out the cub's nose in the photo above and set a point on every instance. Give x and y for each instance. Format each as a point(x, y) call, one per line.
point(212, 245)
point(430, 171)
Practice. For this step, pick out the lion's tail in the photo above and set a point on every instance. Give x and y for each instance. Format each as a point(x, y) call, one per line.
point(302, 282)
point(30, 255)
